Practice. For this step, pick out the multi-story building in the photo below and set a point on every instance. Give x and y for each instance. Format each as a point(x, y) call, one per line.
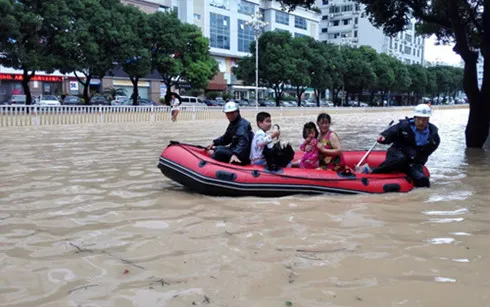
point(345, 22)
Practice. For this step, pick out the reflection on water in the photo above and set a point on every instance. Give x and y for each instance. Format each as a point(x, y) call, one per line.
point(87, 220)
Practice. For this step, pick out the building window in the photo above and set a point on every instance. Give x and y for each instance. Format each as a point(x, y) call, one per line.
point(418, 53)
point(219, 28)
point(245, 36)
point(335, 23)
point(176, 10)
point(245, 7)
point(324, 30)
point(282, 18)
point(346, 21)
point(197, 16)
point(355, 33)
point(356, 20)
point(164, 8)
point(298, 34)
point(222, 4)
point(299, 22)
point(347, 8)
point(262, 13)
point(334, 9)
point(401, 48)
point(325, 17)
point(408, 50)
point(325, 2)
point(396, 46)
point(408, 38)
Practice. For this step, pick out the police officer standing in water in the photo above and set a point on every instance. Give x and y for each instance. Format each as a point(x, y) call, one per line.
point(234, 145)
point(413, 141)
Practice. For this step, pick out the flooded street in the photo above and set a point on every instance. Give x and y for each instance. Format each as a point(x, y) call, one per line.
point(87, 219)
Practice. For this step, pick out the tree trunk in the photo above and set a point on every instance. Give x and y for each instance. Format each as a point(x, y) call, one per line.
point(317, 96)
point(86, 86)
point(26, 78)
point(277, 94)
point(135, 80)
point(477, 129)
point(168, 96)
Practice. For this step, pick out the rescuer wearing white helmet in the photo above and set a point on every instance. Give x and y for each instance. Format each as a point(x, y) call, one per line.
point(413, 141)
point(234, 145)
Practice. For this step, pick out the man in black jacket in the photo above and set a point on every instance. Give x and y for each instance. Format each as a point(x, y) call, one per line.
point(234, 145)
point(414, 140)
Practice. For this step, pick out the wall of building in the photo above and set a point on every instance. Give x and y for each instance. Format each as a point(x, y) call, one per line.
point(345, 22)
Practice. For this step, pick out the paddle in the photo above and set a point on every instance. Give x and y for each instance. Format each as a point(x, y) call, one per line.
point(370, 149)
point(186, 144)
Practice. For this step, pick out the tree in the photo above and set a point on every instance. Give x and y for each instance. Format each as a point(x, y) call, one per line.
point(27, 36)
point(418, 75)
point(275, 62)
point(431, 85)
point(359, 72)
point(302, 60)
point(465, 22)
point(385, 73)
point(290, 5)
point(93, 42)
point(180, 52)
point(326, 68)
point(135, 52)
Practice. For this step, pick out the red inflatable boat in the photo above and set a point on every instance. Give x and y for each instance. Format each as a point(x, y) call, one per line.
point(192, 167)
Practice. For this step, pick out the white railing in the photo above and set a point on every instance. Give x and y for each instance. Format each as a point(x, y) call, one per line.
point(34, 115)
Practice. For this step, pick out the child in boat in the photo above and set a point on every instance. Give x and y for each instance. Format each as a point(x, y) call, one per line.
point(262, 138)
point(310, 158)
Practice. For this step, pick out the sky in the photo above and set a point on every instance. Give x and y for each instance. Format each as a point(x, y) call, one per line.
point(435, 53)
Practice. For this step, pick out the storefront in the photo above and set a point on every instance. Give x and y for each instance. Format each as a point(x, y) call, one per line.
point(11, 84)
point(127, 86)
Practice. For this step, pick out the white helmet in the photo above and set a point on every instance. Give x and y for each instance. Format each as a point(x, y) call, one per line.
point(422, 110)
point(230, 106)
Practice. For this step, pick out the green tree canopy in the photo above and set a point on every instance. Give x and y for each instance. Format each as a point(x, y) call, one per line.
point(135, 53)
point(93, 42)
point(180, 52)
point(275, 62)
point(464, 22)
point(27, 36)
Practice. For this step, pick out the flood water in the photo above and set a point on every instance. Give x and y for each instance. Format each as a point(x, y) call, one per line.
point(87, 219)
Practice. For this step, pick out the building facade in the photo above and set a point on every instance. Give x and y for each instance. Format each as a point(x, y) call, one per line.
point(345, 22)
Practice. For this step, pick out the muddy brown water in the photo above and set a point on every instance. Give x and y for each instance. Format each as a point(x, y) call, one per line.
point(87, 219)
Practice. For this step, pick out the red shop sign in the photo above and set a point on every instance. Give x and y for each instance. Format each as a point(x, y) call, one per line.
point(17, 77)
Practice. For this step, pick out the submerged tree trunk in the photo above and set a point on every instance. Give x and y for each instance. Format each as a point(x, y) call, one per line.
point(477, 129)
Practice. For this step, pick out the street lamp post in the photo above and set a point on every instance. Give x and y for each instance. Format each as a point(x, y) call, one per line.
point(344, 41)
point(257, 25)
